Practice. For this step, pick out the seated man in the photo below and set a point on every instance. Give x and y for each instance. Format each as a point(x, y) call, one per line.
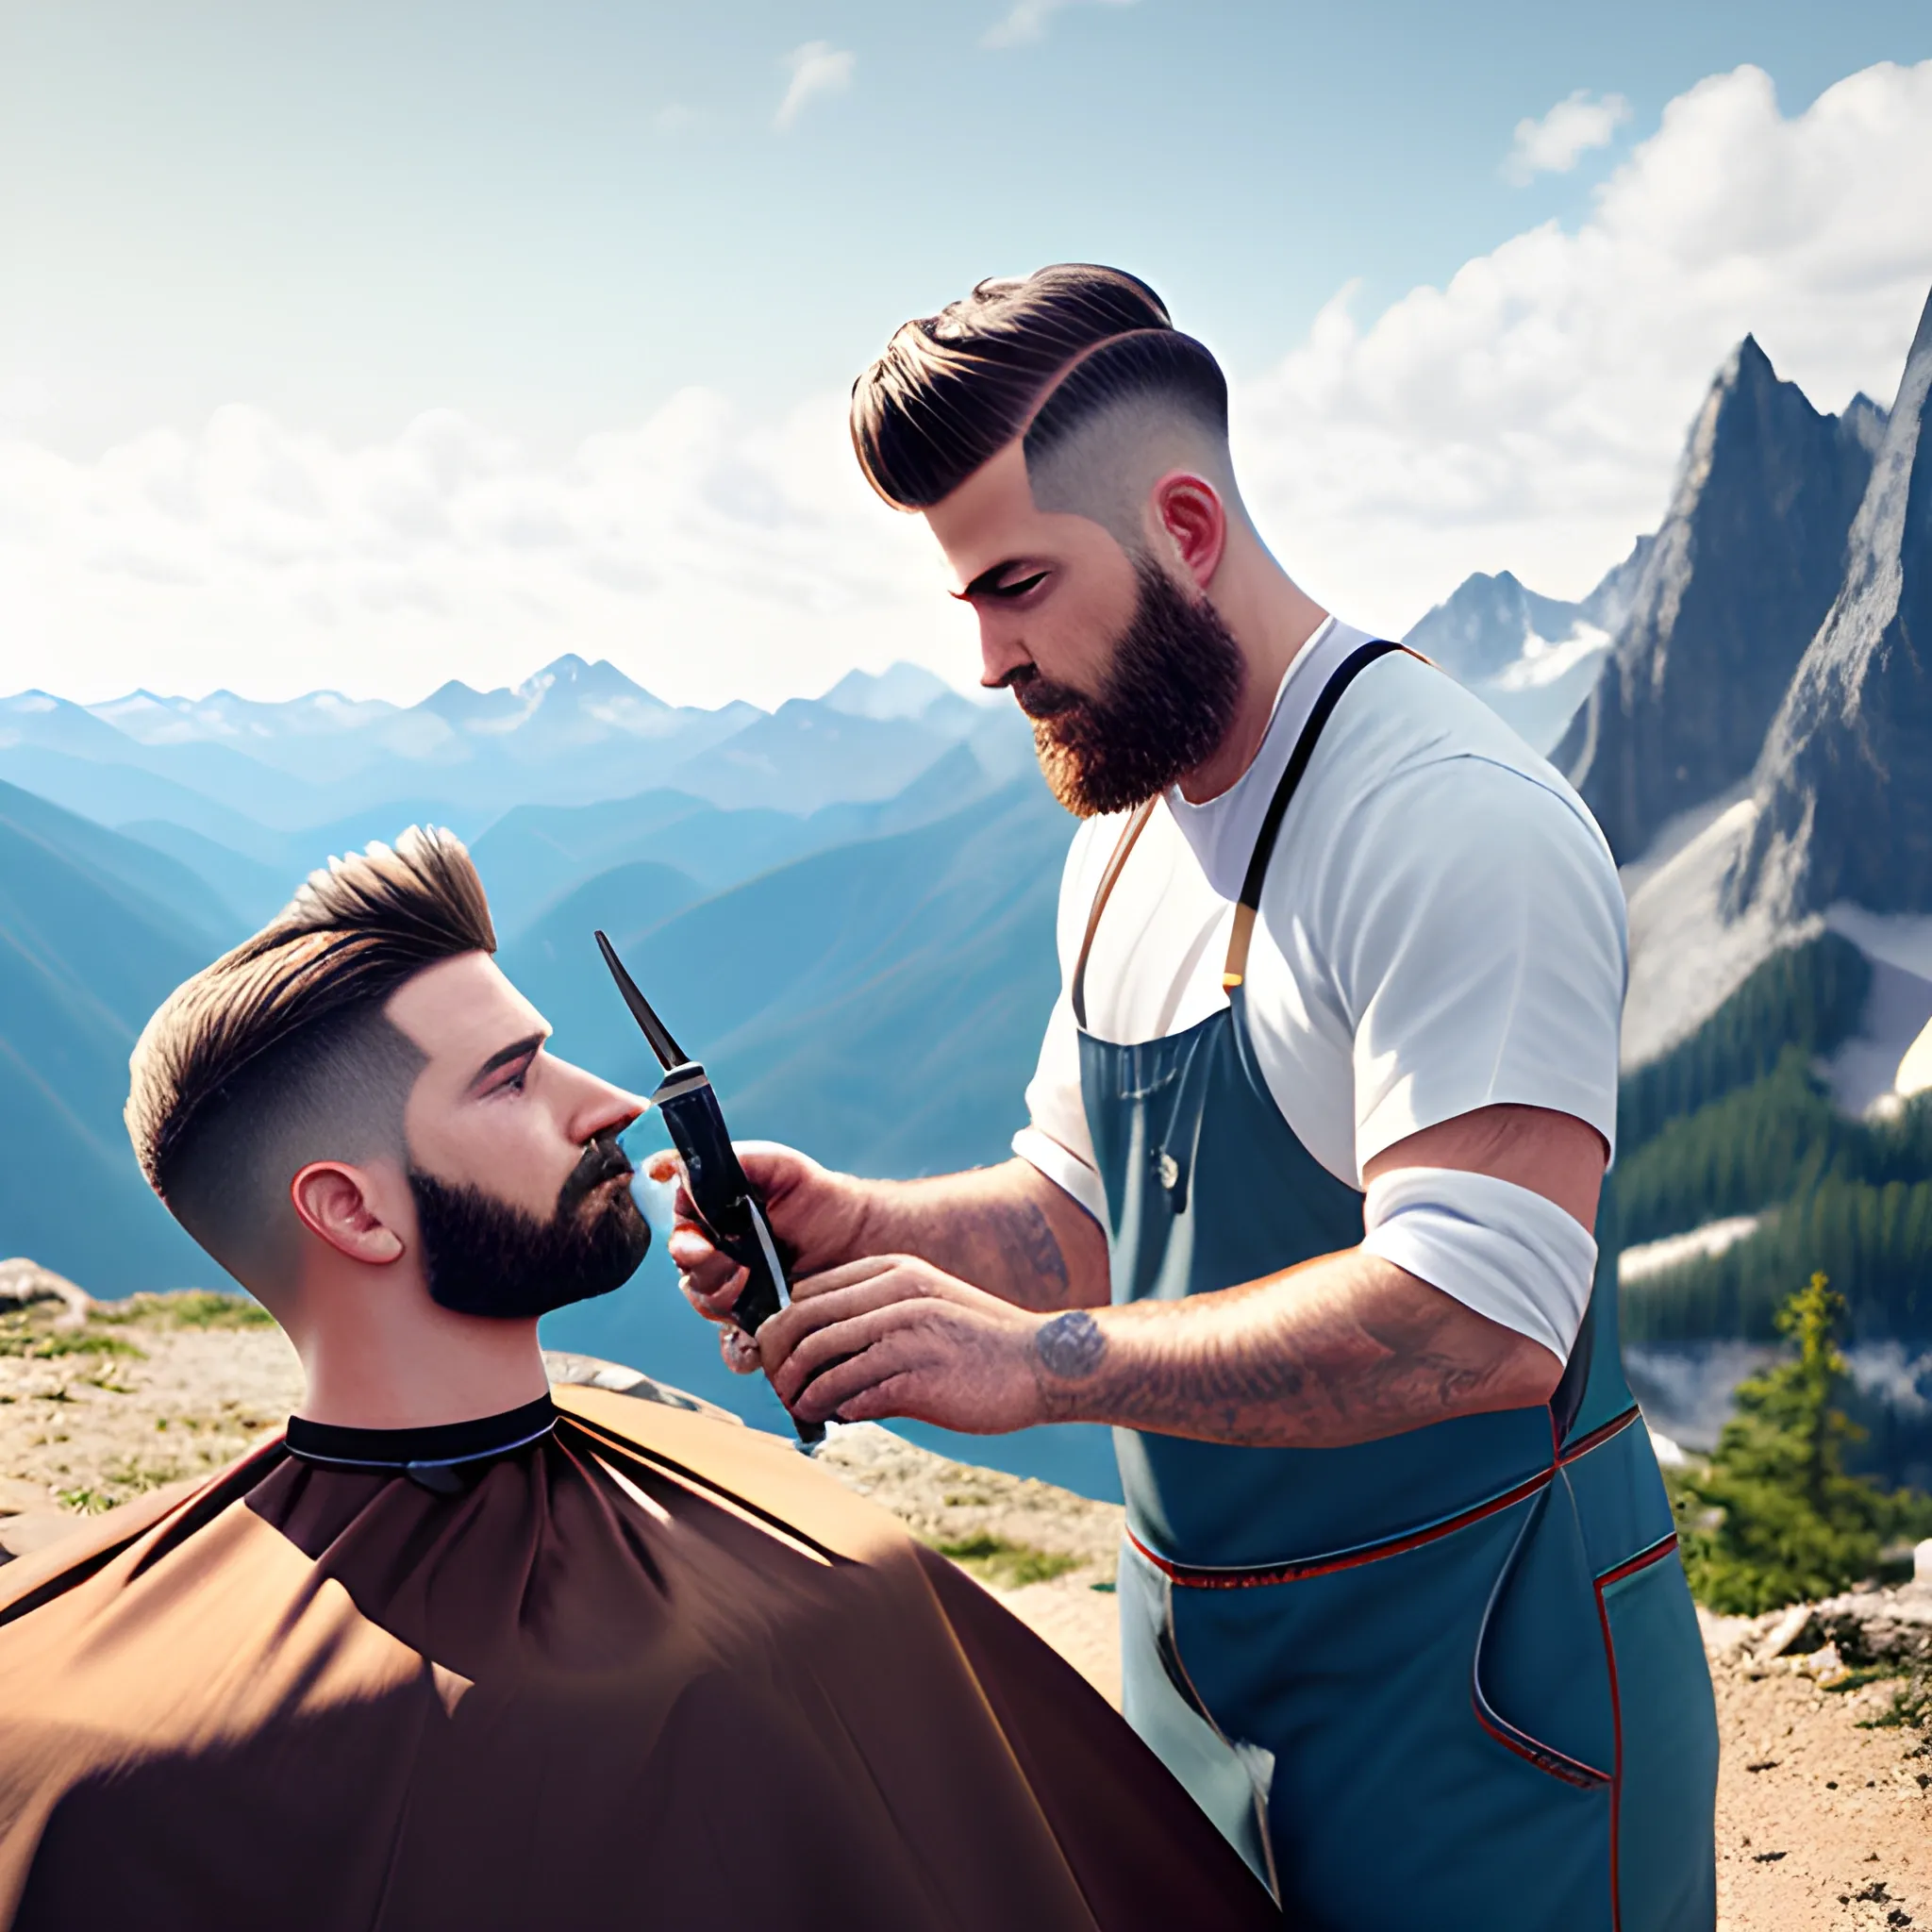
point(452, 1655)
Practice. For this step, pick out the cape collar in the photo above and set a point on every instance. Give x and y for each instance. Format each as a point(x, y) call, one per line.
point(433, 1457)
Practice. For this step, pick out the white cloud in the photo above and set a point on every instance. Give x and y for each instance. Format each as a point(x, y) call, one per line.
point(711, 556)
point(817, 68)
point(1028, 22)
point(1556, 143)
point(1528, 415)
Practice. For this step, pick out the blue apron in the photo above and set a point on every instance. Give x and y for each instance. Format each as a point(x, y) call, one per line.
point(1452, 1678)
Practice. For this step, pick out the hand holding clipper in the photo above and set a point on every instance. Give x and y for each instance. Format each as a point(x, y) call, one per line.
point(724, 1199)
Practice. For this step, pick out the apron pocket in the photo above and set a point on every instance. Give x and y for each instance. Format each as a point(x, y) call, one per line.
point(1539, 1679)
point(1667, 1781)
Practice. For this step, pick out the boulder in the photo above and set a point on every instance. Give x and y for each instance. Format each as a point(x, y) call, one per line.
point(23, 1282)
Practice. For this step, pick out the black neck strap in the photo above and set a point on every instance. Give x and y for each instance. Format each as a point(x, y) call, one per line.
point(401, 1452)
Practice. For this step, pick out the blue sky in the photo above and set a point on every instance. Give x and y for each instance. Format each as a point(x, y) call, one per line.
point(532, 226)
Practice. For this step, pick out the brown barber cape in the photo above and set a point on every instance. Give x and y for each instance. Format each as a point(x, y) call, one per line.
point(651, 1670)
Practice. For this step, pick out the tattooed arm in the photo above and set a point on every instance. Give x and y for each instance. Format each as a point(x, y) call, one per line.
point(1007, 1229)
point(1342, 1349)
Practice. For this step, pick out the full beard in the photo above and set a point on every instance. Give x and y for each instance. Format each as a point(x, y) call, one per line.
point(1165, 706)
point(485, 1255)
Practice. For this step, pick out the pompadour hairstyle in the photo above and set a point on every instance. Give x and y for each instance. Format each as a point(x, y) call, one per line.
point(285, 1037)
point(953, 389)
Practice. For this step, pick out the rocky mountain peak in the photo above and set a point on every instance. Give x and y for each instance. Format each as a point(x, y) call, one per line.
point(1727, 595)
point(1483, 625)
point(1844, 787)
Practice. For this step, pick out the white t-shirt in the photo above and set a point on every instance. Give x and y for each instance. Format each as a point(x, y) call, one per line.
point(1442, 929)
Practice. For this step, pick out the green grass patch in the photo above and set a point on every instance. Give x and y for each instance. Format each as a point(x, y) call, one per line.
point(82, 1342)
point(90, 1502)
point(1007, 1565)
point(193, 1307)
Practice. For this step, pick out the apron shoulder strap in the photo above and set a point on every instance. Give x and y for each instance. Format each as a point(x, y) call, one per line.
point(1134, 825)
point(1344, 674)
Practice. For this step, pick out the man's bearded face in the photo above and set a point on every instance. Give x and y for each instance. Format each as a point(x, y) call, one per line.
point(483, 1256)
point(1165, 704)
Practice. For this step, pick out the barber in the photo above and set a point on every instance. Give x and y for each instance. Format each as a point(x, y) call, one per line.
point(1305, 1205)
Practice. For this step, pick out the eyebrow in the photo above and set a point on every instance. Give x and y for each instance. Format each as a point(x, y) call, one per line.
point(986, 581)
point(529, 1043)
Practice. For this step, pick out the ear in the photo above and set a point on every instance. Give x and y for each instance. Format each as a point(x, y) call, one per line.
point(332, 1202)
point(1190, 512)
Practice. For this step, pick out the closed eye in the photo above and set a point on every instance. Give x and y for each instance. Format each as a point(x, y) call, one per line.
point(994, 584)
point(1017, 587)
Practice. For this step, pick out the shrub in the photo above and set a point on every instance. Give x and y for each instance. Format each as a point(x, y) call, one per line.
point(1773, 1517)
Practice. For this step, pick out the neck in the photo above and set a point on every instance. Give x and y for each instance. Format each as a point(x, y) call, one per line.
point(381, 1355)
point(1270, 618)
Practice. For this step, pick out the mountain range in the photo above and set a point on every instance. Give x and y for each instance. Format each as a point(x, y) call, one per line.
point(846, 905)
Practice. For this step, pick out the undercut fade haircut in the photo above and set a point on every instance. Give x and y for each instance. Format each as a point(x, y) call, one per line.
point(954, 389)
point(280, 1052)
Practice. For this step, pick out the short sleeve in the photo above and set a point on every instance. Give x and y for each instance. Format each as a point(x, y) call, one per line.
point(1478, 951)
point(1055, 1137)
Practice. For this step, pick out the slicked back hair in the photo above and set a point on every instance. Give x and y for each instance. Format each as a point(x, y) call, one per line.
point(280, 1052)
point(1043, 354)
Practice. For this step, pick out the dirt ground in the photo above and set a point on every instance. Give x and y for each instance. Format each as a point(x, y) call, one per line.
point(1823, 1822)
point(1822, 1825)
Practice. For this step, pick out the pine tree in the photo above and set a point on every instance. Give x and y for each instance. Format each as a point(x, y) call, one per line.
point(1774, 1518)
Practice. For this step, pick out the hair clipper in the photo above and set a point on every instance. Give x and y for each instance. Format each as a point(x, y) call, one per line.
point(724, 1199)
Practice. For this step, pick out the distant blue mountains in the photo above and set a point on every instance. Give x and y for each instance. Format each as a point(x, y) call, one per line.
point(846, 906)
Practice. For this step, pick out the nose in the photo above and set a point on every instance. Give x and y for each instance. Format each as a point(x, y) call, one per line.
point(595, 1105)
point(1002, 652)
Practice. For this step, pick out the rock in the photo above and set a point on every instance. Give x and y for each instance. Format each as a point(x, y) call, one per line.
point(592, 1372)
point(1921, 1563)
point(1784, 1633)
point(1874, 1626)
point(23, 1282)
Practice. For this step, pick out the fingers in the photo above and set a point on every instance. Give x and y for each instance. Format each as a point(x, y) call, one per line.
point(858, 1326)
point(850, 1274)
point(706, 1272)
point(716, 1307)
point(897, 1395)
point(740, 1351)
point(831, 1305)
point(832, 1395)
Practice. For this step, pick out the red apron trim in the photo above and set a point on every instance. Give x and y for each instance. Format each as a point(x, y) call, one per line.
point(1195, 1576)
point(1570, 1771)
point(1641, 1560)
point(1629, 1567)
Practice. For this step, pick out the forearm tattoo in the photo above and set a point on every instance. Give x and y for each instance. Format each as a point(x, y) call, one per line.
point(1258, 1366)
point(1070, 1346)
point(1033, 1252)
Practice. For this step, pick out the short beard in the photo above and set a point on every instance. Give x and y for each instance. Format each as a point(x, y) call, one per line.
point(484, 1256)
point(1165, 704)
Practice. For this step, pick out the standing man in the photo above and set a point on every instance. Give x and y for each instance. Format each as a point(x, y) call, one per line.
point(1305, 1205)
